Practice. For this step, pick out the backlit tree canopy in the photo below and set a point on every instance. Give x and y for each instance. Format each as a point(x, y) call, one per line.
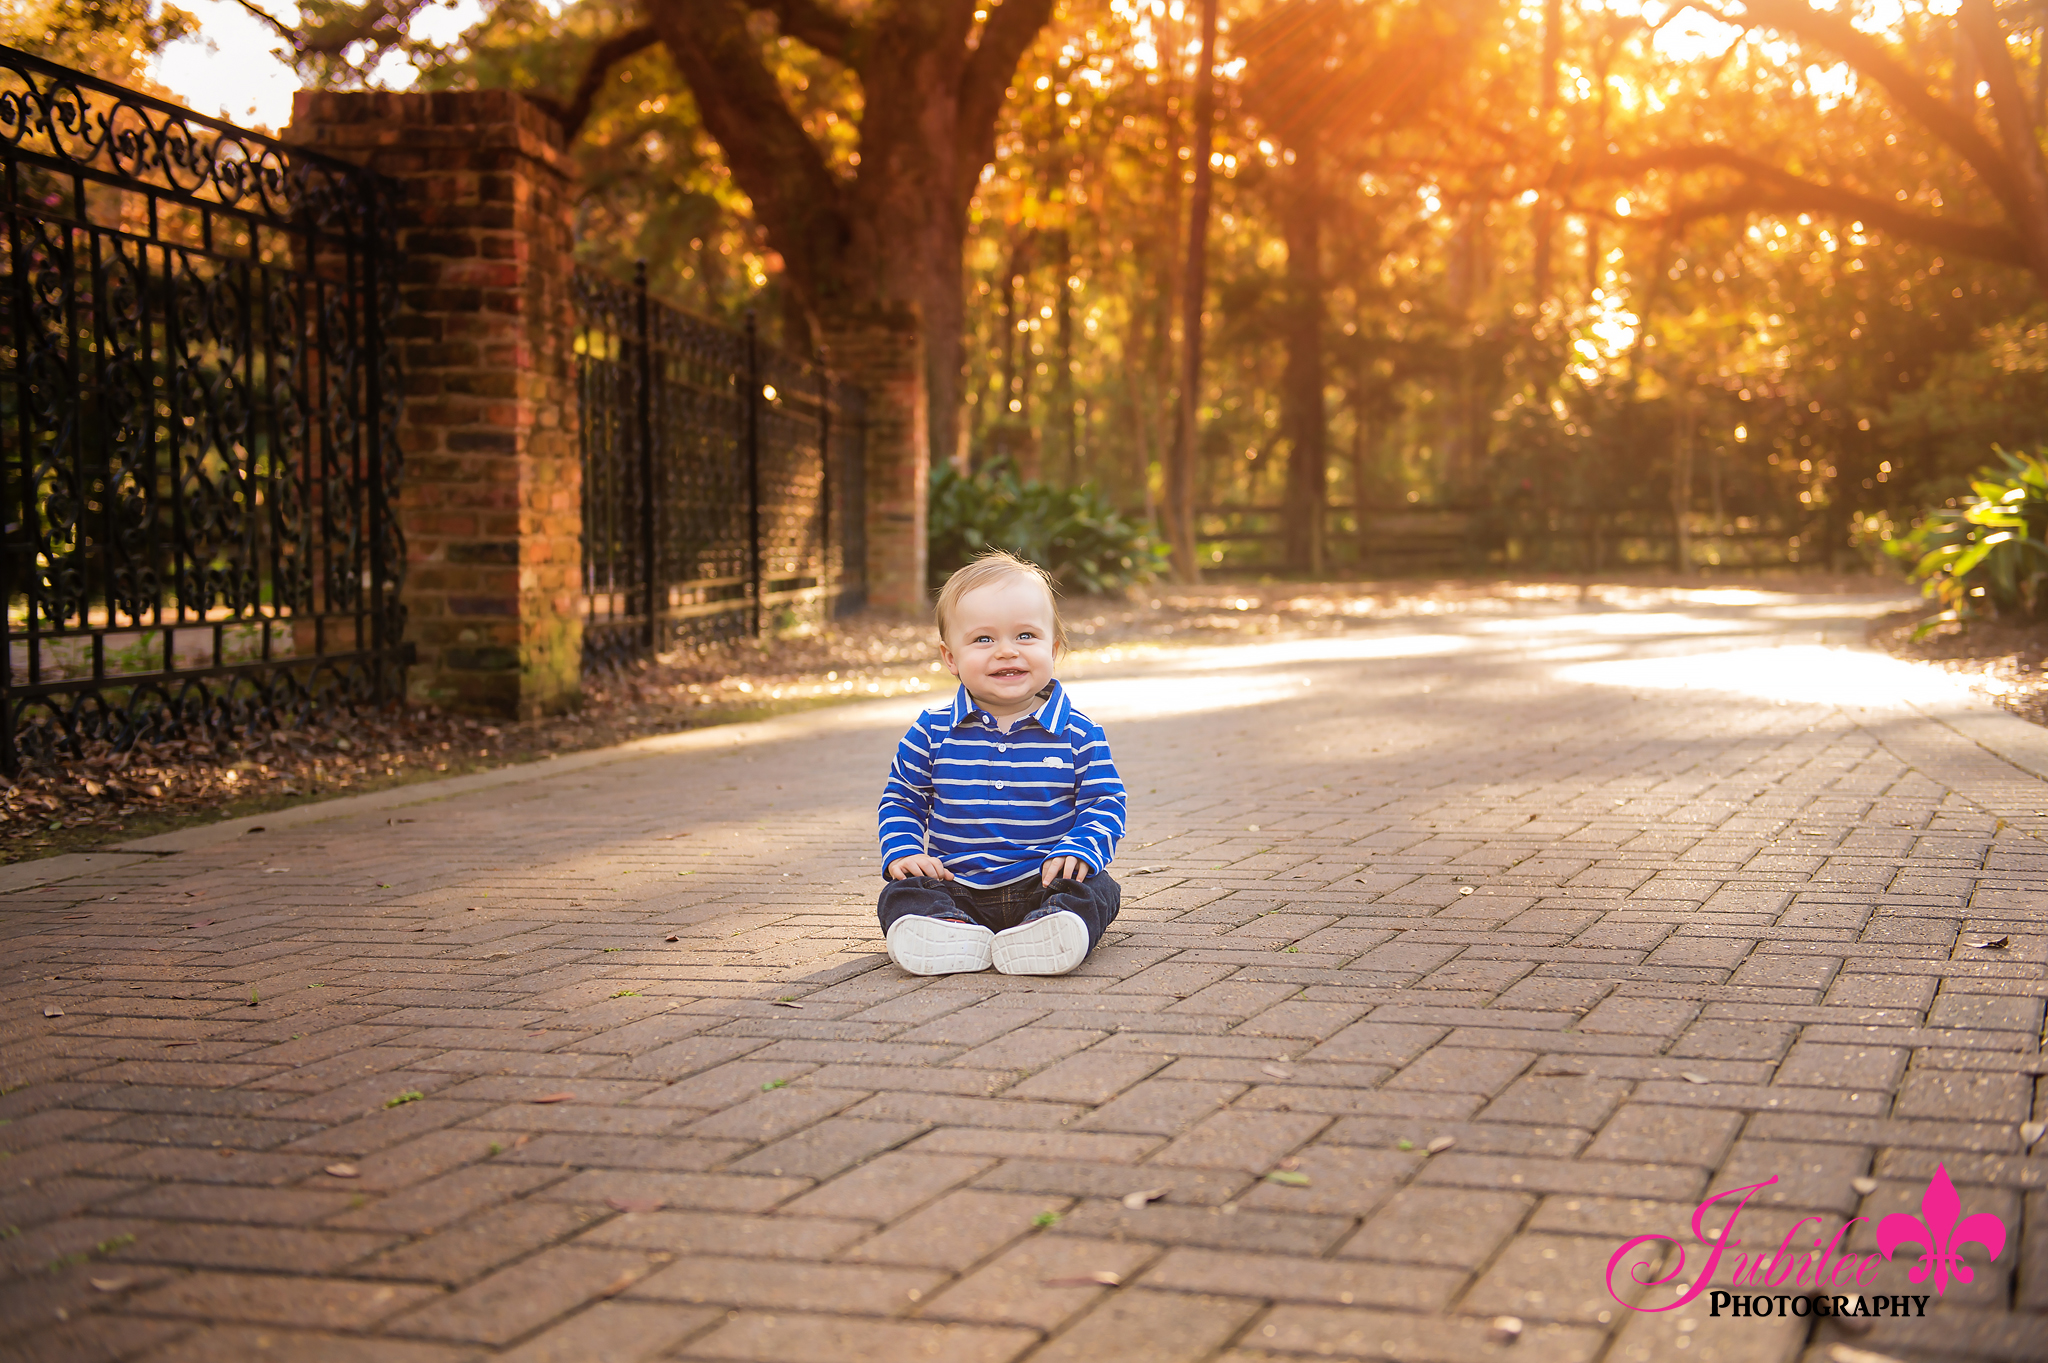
point(1563, 283)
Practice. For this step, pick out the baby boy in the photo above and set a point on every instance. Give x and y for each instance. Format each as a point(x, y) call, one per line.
point(1003, 807)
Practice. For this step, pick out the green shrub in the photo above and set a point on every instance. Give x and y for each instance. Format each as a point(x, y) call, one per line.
point(1992, 551)
point(1074, 533)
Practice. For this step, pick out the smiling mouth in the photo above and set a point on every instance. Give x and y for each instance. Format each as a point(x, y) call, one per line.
point(1006, 673)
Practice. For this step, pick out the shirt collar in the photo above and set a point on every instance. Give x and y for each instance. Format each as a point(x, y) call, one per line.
point(1051, 713)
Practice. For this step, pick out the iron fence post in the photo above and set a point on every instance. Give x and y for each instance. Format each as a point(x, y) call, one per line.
point(644, 415)
point(828, 601)
point(373, 397)
point(753, 420)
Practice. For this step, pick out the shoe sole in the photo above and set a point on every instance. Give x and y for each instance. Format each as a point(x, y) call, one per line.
point(1052, 945)
point(932, 946)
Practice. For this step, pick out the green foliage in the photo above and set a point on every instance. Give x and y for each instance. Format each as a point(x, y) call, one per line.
point(1084, 542)
point(1990, 549)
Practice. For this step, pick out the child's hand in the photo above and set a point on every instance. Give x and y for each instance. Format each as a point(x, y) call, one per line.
point(919, 865)
point(1064, 868)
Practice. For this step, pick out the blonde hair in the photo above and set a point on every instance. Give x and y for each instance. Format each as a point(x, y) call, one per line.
point(994, 566)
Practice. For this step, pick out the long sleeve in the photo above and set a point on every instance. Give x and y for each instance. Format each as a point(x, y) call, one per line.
point(905, 811)
point(1099, 802)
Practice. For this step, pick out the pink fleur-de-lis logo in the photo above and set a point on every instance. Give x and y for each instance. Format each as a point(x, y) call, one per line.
point(1939, 1234)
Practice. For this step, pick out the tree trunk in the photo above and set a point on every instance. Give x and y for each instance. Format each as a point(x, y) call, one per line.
point(1180, 480)
point(876, 258)
point(1302, 414)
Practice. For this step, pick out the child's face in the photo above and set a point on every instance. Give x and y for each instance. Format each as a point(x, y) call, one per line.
point(999, 644)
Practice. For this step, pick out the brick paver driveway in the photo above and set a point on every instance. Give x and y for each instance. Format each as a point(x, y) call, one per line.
point(1457, 950)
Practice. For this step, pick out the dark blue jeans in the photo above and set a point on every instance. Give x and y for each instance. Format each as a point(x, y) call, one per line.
point(1095, 900)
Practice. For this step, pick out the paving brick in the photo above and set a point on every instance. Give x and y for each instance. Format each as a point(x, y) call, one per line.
point(447, 1199)
point(1452, 1069)
point(825, 1149)
point(1136, 1326)
point(1645, 1133)
point(1161, 1106)
point(851, 1289)
point(706, 1192)
point(1090, 1077)
point(1274, 1277)
point(1357, 1332)
point(258, 1344)
point(1845, 1067)
point(1342, 1181)
point(1965, 1096)
point(1549, 1277)
point(463, 1252)
point(959, 1230)
point(1077, 1178)
point(313, 1303)
point(1252, 1141)
point(519, 1299)
point(616, 1332)
point(784, 1338)
point(726, 1233)
point(1452, 1227)
point(1539, 1100)
point(1224, 1227)
point(888, 1186)
point(1039, 1283)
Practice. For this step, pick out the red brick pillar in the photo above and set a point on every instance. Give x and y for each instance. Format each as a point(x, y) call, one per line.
point(492, 499)
point(882, 350)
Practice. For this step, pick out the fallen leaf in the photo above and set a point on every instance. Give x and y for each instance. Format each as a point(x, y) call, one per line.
point(553, 1098)
point(1559, 1072)
point(1689, 1077)
point(1276, 1071)
point(282, 870)
point(619, 1284)
point(1990, 943)
point(344, 1171)
point(53, 1011)
point(1504, 1329)
point(1134, 1201)
point(1146, 871)
point(2031, 1133)
point(1441, 1144)
point(1288, 1177)
point(635, 1204)
point(1099, 1278)
point(671, 938)
point(785, 1003)
point(110, 1284)
point(1865, 1185)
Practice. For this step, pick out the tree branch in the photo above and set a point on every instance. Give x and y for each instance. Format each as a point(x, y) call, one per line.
point(275, 24)
point(2010, 107)
point(603, 58)
point(772, 159)
point(1005, 36)
point(815, 25)
point(1769, 189)
point(1907, 90)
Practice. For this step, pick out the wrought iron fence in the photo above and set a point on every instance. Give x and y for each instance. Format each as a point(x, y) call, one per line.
point(721, 479)
point(197, 417)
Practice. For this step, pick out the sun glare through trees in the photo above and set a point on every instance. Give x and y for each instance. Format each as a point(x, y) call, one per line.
point(1590, 282)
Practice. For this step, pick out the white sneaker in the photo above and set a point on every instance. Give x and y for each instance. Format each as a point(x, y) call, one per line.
point(938, 946)
point(1051, 945)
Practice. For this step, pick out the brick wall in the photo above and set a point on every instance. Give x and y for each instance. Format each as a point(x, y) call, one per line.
point(491, 503)
point(881, 350)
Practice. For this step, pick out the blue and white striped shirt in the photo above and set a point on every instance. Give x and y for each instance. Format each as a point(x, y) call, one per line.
point(995, 806)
